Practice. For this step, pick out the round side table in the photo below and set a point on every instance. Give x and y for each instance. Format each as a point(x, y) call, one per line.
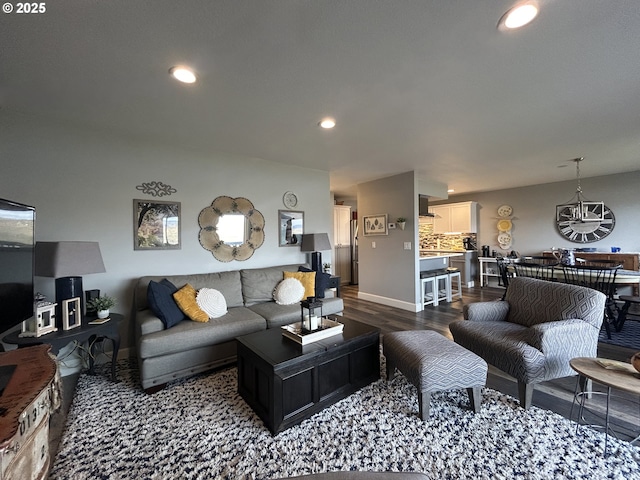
point(611, 374)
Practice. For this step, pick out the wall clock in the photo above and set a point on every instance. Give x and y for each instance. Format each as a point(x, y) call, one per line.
point(586, 232)
point(290, 200)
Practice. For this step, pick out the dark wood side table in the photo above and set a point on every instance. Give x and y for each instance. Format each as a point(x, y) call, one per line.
point(334, 282)
point(85, 334)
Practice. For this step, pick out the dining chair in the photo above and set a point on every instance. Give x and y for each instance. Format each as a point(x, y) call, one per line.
point(540, 259)
point(504, 273)
point(599, 277)
point(534, 270)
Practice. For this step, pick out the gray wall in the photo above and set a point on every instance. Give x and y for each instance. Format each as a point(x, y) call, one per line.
point(534, 213)
point(83, 182)
point(388, 272)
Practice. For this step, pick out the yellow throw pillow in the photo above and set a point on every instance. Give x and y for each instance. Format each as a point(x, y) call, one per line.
point(307, 279)
point(186, 300)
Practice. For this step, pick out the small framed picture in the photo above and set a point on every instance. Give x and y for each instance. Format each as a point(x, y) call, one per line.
point(156, 225)
point(375, 224)
point(291, 228)
point(71, 313)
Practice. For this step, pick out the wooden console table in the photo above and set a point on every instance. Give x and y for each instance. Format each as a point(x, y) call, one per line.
point(28, 400)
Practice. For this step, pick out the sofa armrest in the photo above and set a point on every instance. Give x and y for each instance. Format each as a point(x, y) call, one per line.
point(486, 311)
point(555, 336)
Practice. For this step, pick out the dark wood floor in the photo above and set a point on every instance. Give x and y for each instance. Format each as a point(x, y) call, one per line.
point(555, 395)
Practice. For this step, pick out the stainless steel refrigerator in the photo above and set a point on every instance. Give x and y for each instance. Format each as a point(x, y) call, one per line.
point(354, 252)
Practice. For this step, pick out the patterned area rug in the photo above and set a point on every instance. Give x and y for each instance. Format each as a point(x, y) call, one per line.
point(200, 428)
point(628, 337)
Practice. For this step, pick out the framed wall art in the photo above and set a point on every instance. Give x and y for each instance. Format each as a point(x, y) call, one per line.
point(290, 228)
point(375, 224)
point(156, 225)
point(71, 313)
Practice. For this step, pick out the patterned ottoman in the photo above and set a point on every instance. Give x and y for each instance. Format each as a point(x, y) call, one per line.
point(434, 363)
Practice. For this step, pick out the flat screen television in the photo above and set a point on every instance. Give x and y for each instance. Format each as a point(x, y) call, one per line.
point(17, 242)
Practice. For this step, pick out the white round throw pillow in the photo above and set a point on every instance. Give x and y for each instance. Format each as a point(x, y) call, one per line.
point(212, 302)
point(288, 291)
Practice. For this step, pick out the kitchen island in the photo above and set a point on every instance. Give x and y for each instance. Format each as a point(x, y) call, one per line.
point(430, 260)
point(465, 261)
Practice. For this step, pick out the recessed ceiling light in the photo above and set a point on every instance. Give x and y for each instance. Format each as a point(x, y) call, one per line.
point(183, 74)
point(327, 123)
point(519, 16)
point(451, 190)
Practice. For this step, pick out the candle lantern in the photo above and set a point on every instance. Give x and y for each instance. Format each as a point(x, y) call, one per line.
point(311, 314)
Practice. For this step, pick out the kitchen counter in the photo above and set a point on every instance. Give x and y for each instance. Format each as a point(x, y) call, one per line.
point(428, 254)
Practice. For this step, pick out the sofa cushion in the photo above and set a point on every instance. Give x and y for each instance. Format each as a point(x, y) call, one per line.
point(288, 292)
point(258, 284)
point(307, 279)
point(228, 283)
point(322, 281)
point(161, 302)
point(277, 315)
point(191, 335)
point(186, 300)
point(212, 302)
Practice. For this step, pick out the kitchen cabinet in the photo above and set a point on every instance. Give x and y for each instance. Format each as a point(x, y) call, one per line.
point(342, 242)
point(342, 263)
point(455, 217)
point(341, 225)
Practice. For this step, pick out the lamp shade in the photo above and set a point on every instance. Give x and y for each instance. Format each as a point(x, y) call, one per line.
point(315, 242)
point(68, 259)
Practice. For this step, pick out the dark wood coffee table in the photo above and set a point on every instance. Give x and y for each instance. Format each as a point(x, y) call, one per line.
point(285, 382)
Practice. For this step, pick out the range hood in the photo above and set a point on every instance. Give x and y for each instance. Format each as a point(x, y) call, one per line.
point(423, 210)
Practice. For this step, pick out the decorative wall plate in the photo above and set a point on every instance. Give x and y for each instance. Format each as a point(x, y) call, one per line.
point(504, 238)
point(504, 225)
point(290, 200)
point(505, 210)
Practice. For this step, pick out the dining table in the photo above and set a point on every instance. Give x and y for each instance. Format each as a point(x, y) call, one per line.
point(624, 278)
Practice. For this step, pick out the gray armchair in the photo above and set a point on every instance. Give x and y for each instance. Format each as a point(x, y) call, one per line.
point(534, 332)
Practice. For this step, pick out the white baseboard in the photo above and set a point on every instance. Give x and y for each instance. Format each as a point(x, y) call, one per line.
point(391, 302)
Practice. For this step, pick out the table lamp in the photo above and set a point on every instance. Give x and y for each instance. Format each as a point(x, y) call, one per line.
point(66, 262)
point(314, 242)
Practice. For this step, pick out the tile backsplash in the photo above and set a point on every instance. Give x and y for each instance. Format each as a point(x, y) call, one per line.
point(440, 241)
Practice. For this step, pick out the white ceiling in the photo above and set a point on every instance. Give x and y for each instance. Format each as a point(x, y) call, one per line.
point(425, 85)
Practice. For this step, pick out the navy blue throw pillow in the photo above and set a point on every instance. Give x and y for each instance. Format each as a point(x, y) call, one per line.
point(161, 302)
point(322, 281)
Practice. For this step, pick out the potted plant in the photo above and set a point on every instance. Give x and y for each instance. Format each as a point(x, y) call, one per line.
point(401, 221)
point(102, 305)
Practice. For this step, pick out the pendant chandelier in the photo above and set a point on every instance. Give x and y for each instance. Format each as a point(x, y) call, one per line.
point(578, 209)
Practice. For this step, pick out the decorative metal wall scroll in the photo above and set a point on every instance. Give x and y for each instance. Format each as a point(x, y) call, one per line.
point(156, 189)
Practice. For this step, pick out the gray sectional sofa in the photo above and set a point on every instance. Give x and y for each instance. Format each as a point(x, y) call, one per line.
point(166, 354)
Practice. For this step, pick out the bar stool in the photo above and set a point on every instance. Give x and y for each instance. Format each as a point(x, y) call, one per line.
point(454, 274)
point(443, 286)
point(430, 297)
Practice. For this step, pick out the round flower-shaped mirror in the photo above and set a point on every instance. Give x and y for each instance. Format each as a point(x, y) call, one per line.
point(231, 228)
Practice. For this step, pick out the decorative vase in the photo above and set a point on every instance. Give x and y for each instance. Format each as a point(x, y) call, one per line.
point(401, 225)
point(635, 361)
point(103, 313)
